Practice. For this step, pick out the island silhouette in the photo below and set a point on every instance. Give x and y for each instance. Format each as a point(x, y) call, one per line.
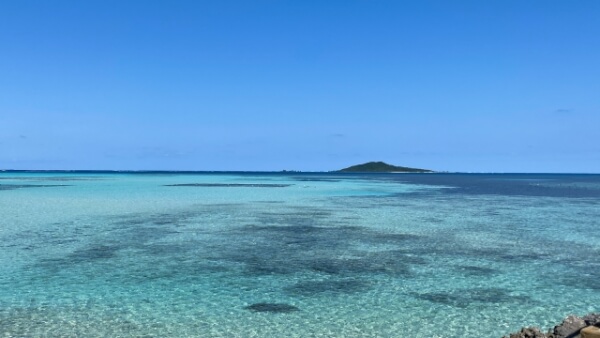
point(381, 167)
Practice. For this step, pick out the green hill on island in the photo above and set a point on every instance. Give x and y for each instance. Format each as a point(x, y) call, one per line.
point(381, 167)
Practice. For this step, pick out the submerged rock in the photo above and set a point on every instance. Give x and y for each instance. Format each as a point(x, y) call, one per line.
point(272, 307)
point(569, 328)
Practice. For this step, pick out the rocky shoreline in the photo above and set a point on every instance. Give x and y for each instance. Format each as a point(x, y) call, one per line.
point(587, 326)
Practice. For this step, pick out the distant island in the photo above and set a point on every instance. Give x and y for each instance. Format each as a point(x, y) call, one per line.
point(381, 167)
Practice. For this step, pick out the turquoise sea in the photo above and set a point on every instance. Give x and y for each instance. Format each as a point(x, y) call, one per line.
point(92, 254)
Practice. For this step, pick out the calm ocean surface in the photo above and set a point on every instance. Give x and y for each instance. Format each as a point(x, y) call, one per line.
point(295, 255)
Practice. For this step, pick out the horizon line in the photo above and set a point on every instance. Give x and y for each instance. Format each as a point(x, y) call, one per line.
point(150, 171)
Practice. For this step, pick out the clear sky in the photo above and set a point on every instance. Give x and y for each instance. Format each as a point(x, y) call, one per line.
point(501, 86)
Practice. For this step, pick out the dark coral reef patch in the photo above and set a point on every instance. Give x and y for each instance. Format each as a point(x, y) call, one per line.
point(272, 308)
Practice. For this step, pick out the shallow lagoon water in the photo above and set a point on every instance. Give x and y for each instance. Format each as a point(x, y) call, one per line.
point(295, 255)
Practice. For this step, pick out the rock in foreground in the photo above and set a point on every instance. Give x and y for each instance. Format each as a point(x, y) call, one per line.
point(569, 328)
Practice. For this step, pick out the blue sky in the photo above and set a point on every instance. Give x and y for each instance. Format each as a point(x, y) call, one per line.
point(500, 86)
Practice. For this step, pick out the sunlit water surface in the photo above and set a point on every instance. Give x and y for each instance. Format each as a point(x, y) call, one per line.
point(295, 255)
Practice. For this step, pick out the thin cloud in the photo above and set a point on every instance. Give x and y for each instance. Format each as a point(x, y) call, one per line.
point(563, 111)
